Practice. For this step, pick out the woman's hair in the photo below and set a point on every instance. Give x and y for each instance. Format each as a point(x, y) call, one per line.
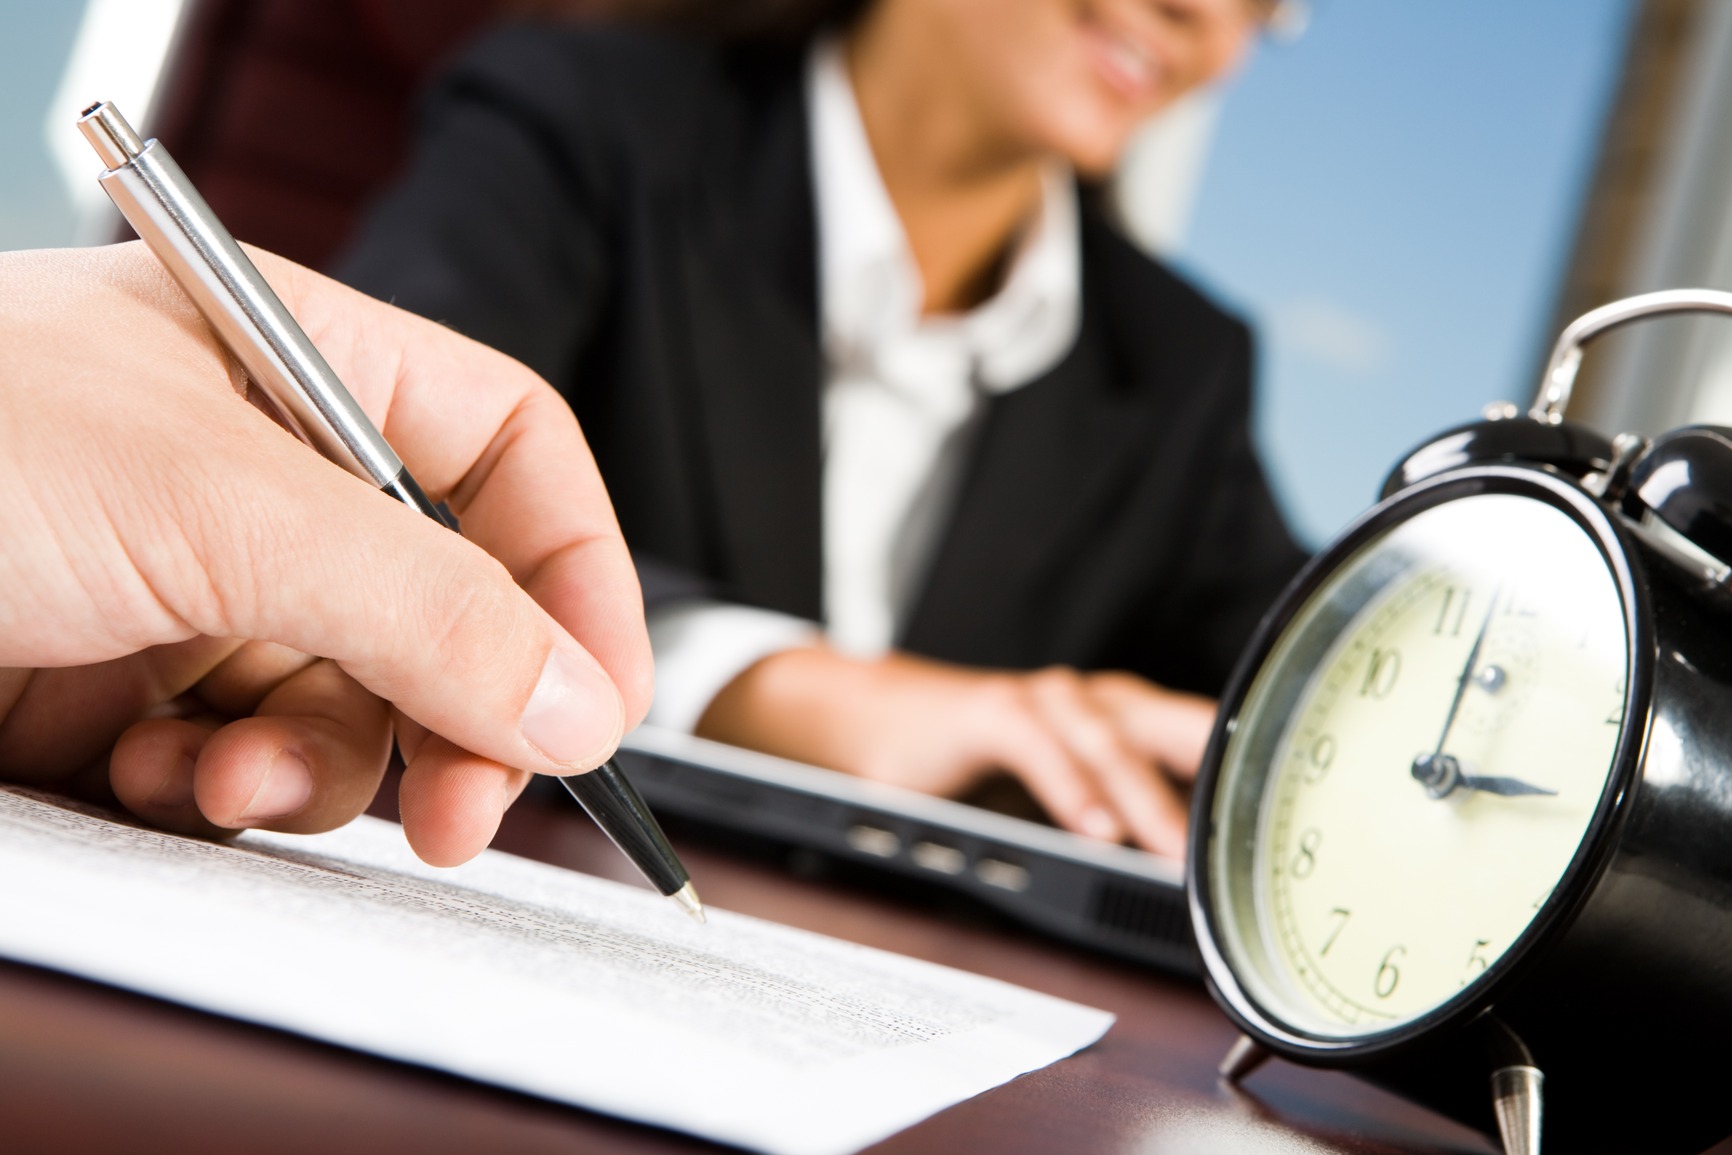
point(784, 21)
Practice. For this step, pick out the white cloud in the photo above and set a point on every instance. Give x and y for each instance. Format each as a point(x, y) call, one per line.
point(1332, 334)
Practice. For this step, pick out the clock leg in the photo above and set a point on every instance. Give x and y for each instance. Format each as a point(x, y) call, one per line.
point(1516, 1094)
point(1246, 1056)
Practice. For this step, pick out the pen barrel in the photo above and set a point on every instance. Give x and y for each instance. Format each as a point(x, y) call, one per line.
point(160, 203)
point(616, 806)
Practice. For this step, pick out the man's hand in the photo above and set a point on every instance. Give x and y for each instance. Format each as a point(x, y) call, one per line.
point(1100, 751)
point(228, 629)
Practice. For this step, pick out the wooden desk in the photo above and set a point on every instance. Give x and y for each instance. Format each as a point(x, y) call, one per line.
point(87, 1069)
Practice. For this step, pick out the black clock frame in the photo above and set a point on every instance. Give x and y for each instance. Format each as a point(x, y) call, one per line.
point(1628, 966)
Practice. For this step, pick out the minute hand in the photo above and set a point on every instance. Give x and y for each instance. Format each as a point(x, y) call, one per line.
point(1441, 773)
point(1467, 671)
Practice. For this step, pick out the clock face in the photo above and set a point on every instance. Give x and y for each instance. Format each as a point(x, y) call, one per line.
point(1417, 763)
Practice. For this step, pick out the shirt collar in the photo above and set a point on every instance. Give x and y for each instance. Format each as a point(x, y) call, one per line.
point(869, 285)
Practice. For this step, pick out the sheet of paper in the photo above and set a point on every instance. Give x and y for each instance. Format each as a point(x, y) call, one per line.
point(524, 975)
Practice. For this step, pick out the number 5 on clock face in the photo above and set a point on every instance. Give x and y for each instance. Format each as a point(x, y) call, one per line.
point(1421, 754)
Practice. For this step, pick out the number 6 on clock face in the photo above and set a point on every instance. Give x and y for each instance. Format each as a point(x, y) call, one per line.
point(1422, 751)
point(1464, 824)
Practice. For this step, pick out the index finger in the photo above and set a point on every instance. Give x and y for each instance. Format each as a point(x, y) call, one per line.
point(1142, 796)
point(484, 433)
point(1168, 726)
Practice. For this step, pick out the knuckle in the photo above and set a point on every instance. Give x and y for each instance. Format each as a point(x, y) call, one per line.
point(1096, 739)
point(459, 602)
point(1001, 698)
point(1056, 679)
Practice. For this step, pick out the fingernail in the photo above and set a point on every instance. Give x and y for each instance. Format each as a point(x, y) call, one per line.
point(175, 789)
point(575, 716)
point(1099, 823)
point(287, 786)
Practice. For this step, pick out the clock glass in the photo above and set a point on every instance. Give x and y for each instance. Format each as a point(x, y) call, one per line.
point(1416, 764)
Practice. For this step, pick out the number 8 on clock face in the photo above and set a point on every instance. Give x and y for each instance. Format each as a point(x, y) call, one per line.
point(1416, 764)
point(1464, 824)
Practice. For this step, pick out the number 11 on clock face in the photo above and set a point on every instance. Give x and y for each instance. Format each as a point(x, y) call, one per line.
point(1440, 761)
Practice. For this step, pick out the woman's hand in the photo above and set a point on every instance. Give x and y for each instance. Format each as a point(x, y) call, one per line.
point(1102, 752)
point(207, 617)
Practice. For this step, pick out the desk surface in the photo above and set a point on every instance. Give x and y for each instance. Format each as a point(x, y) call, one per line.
point(87, 1069)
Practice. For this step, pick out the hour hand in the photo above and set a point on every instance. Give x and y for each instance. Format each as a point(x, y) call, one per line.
point(1442, 775)
point(1504, 786)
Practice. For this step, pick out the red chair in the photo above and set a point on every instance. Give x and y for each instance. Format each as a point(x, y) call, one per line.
point(290, 115)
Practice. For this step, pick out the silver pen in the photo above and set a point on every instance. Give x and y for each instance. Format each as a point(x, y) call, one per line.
point(162, 206)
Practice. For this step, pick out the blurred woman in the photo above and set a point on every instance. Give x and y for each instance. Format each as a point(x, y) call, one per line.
point(928, 472)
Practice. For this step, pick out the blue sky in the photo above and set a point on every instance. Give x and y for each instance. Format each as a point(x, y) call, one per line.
point(35, 40)
point(1390, 200)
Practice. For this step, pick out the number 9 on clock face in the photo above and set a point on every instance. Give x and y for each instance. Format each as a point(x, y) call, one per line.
point(1415, 765)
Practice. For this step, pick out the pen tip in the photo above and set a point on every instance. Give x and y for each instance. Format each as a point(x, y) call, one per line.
point(687, 897)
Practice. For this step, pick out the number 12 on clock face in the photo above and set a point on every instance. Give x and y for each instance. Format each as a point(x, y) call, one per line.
point(1419, 757)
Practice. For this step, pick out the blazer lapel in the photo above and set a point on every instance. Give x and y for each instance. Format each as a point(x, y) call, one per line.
point(751, 288)
point(1044, 456)
point(1055, 461)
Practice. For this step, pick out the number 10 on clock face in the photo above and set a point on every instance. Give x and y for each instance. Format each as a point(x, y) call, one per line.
point(1416, 764)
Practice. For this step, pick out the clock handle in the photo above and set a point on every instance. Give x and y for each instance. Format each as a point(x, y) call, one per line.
point(1566, 360)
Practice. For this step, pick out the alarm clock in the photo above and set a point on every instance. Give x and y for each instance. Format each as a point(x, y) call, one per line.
point(1465, 821)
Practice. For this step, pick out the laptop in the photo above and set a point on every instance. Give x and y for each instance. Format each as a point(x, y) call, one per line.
point(1107, 897)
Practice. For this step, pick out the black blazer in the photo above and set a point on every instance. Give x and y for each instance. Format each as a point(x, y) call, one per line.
point(632, 216)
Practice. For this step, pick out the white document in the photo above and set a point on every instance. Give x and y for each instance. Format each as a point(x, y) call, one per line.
point(524, 975)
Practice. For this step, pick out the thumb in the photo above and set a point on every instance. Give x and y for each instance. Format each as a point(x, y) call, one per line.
point(309, 557)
